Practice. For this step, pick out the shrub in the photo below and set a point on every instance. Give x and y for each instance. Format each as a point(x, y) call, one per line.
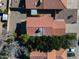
point(5, 11)
point(48, 43)
point(1, 11)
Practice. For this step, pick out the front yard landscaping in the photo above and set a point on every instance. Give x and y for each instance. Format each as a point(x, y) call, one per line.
point(47, 43)
point(21, 46)
point(5, 11)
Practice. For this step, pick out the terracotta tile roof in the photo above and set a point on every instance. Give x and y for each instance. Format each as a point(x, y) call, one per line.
point(50, 26)
point(51, 55)
point(59, 57)
point(37, 55)
point(39, 21)
point(35, 22)
point(58, 27)
point(47, 4)
point(54, 4)
point(46, 31)
point(64, 2)
point(62, 54)
point(31, 31)
point(59, 23)
point(30, 4)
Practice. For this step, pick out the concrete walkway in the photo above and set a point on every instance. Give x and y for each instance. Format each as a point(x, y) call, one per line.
point(1, 27)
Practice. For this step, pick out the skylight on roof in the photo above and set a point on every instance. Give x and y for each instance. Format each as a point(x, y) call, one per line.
point(33, 12)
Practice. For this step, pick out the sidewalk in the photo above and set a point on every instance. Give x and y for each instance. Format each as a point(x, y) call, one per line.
point(0, 28)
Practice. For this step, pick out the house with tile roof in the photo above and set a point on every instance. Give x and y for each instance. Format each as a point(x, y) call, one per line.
point(47, 17)
point(55, 16)
point(45, 26)
point(61, 54)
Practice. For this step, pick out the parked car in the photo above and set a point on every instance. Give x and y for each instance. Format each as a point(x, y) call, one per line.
point(4, 17)
point(71, 52)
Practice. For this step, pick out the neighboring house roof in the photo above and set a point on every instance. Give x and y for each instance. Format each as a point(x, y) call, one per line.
point(39, 21)
point(30, 4)
point(53, 4)
point(50, 55)
point(64, 2)
point(38, 53)
point(69, 15)
point(59, 24)
point(46, 4)
point(49, 25)
point(58, 27)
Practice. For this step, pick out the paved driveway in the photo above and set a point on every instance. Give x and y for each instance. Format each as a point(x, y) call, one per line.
point(15, 17)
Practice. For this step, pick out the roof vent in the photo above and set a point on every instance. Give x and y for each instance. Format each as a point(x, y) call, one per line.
point(33, 12)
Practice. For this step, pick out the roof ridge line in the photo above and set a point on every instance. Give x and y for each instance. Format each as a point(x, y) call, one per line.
point(62, 3)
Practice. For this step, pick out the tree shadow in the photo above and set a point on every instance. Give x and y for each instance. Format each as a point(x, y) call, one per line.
point(53, 12)
point(21, 28)
point(22, 4)
point(18, 29)
point(21, 8)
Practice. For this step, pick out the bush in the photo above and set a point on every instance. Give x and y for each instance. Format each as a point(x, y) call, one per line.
point(1, 11)
point(9, 41)
point(5, 11)
point(47, 43)
point(25, 37)
point(3, 57)
point(14, 34)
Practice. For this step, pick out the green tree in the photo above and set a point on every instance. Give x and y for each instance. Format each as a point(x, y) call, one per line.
point(47, 43)
point(5, 11)
point(10, 37)
point(1, 11)
point(25, 37)
point(3, 57)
